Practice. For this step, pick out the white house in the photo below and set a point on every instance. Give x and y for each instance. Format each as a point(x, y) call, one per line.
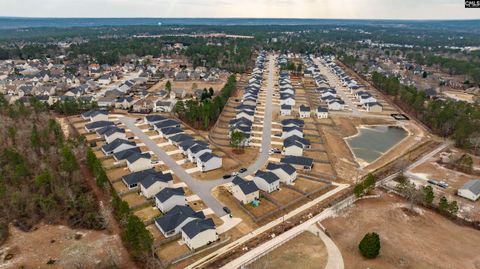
point(304, 111)
point(245, 191)
point(111, 133)
point(322, 113)
point(285, 110)
point(173, 221)
point(336, 105)
point(292, 147)
point(151, 185)
point(471, 190)
point(373, 107)
point(285, 172)
point(196, 151)
point(266, 181)
point(138, 162)
point(168, 198)
point(95, 115)
point(199, 233)
point(208, 161)
point(290, 131)
point(118, 145)
point(105, 80)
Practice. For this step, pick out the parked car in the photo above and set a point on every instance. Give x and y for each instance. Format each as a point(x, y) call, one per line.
point(242, 170)
point(227, 176)
point(227, 210)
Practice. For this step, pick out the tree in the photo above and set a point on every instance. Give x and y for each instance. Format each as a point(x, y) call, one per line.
point(443, 204)
point(35, 137)
point(137, 237)
point(168, 86)
point(425, 74)
point(409, 190)
point(428, 194)
point(453, 208)
point(370, 245)
point(211, 91)
point(236, 139)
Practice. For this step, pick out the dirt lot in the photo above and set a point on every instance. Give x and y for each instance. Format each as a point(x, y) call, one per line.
point(284, 195)
point(423, 240)
point(34, 249)
point(148, 213)
point(305, 251)
point(307, 185)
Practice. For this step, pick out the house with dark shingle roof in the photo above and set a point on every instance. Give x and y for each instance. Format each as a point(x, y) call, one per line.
point(199, 233)
point(133, 179)
point(285, 172)
point(292, 147)
point(94, 126)
point(118, 145)
point(110, 133)
point(299, 162)
point(154, 183)
point(124, 154)
point(168, 198)
point(266, 181)
point(95, 115)
point(173, 221)
point(208, 161)
point(245, 191)
point(139, 161)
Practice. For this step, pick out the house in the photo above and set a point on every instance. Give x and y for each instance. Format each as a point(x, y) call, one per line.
point(292, 147)
point(178, 139)
point(117, 145)
point(110, 133)
point(106, 102)
point(164, 106)
point(373, 107)
point(199, 233)
point(154, 183)
point(266, 181)
point(299, 162)
point(124, 102)
point(322, 113)
point(173, 221)
point(94, 126)
point(208, 161)
point(285, 172)
point(133, 179)
point(167, 198)
point(178, 93)
point(124, 154)
point(304, 111)
point(285, 110)
point(95, 115)
point(471, 190)
point(245, 191)
point(290, 131)
point(336, 105)
point(293, 123)
point(138, 162)
point(152, 119)
point(305, 143)
point(169, 131)
point(105, 80)
point(166, 124)
point(196, 151)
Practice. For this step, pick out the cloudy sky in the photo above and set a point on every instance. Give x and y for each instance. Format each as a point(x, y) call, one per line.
point(357, 9)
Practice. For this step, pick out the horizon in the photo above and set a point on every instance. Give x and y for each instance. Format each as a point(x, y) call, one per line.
point(266, 9)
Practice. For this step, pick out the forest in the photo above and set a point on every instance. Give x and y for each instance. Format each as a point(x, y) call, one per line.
point(459, 121)
point(40, 179)
point(201, 114)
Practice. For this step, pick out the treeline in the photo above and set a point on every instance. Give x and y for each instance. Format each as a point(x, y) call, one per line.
point(453, 119)
point(135, 235)
point(40, 178)
point(203, 114)
point(73, 106)
point(470, 69)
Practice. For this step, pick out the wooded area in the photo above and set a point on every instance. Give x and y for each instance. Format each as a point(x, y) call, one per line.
point(202, 114)
point(457, 120)
point(40, 178)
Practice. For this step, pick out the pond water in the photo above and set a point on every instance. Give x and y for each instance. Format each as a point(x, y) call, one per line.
point(371, 142)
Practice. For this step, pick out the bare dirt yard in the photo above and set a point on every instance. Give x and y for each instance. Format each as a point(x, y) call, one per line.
point(408, 240)
point(189, 86)
point(58, 244)
point(305, 251)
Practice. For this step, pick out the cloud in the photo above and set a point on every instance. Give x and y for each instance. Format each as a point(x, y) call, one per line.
point(348, 9)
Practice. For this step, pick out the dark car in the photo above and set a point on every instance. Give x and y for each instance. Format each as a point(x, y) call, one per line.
point(242, 170)
point(227, 210)
point(227, 176)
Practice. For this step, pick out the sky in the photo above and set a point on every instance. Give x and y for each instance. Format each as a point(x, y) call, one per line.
point(341, 9)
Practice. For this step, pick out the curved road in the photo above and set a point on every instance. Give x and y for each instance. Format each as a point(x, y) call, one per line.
point(204, 188)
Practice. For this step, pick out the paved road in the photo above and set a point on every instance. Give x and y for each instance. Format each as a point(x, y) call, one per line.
point(202, 189)
point(332, 78)
point(267, 123)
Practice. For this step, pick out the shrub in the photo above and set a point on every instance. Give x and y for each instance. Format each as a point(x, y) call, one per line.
point(370, 245)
